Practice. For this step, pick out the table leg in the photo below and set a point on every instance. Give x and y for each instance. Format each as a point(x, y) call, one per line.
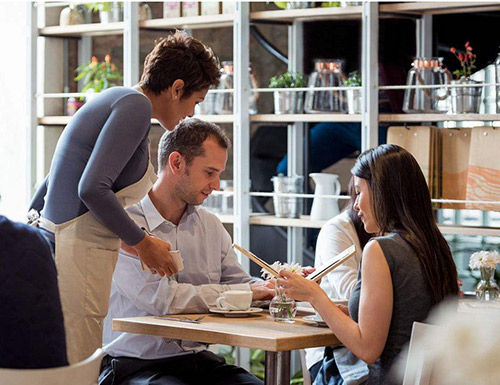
point(277, 368)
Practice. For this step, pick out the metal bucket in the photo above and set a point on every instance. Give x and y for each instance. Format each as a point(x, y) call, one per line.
point(288, 207)
point(465, 100)
point(354, 101)
point(288, 102)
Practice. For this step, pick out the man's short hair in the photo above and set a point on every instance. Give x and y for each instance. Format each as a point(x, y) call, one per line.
point(180, 56)
point(188, 138)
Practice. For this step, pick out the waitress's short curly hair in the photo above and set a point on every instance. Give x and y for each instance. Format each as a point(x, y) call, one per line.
point(180, 56)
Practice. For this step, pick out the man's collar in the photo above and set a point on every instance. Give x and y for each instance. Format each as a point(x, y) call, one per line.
point(151, 214)
point(154, 218)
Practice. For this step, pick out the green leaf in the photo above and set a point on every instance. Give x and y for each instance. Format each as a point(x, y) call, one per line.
point(280, 4)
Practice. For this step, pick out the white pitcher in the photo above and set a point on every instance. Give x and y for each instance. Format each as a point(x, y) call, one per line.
point(326, 184)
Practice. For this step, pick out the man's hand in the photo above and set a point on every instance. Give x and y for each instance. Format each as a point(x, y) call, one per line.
point(155, 254)
point(262, 290)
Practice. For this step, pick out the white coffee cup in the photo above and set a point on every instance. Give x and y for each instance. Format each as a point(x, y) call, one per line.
point(234, 300)
point(176, 256)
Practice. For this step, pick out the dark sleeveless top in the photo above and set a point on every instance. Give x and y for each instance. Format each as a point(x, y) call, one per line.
point(412, 302)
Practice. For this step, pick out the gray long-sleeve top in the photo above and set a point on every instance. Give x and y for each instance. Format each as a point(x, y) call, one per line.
point(103, 149)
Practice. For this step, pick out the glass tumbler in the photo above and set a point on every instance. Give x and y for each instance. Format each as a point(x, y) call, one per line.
point(327, 73)
point(224, 100)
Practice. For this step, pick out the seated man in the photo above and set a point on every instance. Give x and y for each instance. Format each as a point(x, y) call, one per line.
point(190, 161)
point(31, 320)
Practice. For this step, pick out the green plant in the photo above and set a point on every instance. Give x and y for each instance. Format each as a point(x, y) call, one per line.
point(98, 76)
point(353, 79)
point(467, 60)
point(99, 6)
point(288, 80)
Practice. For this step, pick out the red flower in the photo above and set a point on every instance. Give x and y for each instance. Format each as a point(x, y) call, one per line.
point(453, 49)
point(467, 60)
point(460, 56)
point(107, 58)
point(467, 44)
point(94, 59)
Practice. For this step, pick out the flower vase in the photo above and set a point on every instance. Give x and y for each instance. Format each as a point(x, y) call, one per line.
point(282, 308)
point(487, 289)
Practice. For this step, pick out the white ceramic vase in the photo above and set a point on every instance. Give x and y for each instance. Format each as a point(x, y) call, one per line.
point(326, 184)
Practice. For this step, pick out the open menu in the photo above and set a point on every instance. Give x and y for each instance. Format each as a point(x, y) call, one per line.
point(316, 276)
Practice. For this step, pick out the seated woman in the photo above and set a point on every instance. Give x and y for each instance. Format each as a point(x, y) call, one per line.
point(405, 271)
point(31, 320)
point(336, 235)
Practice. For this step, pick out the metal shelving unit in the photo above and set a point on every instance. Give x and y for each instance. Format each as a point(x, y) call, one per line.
point(368, 14)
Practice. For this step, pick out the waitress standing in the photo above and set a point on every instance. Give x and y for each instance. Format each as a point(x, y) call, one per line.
point(101, 166)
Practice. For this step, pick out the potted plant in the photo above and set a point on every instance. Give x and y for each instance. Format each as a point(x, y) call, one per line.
point(288, 102)
point(354, 96)
point(97, 76)
point(465, 99)
point(109, 11)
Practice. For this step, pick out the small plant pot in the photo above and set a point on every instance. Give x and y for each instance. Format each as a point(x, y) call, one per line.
point(288, 102)
point(354, 105)
point(465, 100)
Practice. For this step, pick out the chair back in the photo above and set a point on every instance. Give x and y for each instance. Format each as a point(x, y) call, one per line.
point(418, 369)
point(85, 372)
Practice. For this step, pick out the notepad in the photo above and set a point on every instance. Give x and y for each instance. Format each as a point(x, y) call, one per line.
point(337, 261)
point(317, 275)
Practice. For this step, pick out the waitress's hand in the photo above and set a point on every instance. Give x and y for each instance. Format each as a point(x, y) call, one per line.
point(298, 287)
point(155, 254)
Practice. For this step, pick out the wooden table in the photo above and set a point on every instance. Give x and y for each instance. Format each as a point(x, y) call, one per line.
point(257, 331)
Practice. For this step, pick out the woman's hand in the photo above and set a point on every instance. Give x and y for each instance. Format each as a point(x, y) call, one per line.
point(298, 287)
point(155, 254)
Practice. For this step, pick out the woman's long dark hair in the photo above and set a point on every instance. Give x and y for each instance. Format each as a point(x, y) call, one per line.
point(401, 203)
point(363, 236)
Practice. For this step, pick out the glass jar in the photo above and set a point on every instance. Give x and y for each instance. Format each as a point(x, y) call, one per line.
point(73, 14)
point(487, 289)
point(427, 72)
point(282, 308)
point(327, 73)
point(224, 100)
point(497, 79)
point(145, 12)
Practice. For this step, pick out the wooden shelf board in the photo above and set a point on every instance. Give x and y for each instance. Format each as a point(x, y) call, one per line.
point(308, 14)
point(437, 117)
point(305, 222)
point(271, 220)
point(286, 118)
point(63, 120)
point(79, 30)
point(434, 8)
point(193, 22)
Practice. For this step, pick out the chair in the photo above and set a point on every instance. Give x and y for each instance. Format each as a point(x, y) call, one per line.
point(418, 369)
point(82, 373)
point(305, 371)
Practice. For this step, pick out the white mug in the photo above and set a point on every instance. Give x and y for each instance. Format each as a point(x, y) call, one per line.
point(235, 300)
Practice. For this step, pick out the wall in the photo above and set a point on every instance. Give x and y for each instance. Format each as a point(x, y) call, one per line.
point(13, 109)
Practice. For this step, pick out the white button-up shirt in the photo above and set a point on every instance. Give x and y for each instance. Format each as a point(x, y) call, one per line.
point(210, 267)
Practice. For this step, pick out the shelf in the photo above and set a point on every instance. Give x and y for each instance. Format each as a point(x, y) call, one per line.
point(434, 8)
point(290, 118)
point(305, 222)
point(308, 14)
point(438, 117)
point(79, 30)
point(193, 22)
point(271, 220)
point(224, 218)
point(64, 120)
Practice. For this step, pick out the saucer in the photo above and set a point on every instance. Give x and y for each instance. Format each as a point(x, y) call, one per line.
point(236, 313)
point(314, 320)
